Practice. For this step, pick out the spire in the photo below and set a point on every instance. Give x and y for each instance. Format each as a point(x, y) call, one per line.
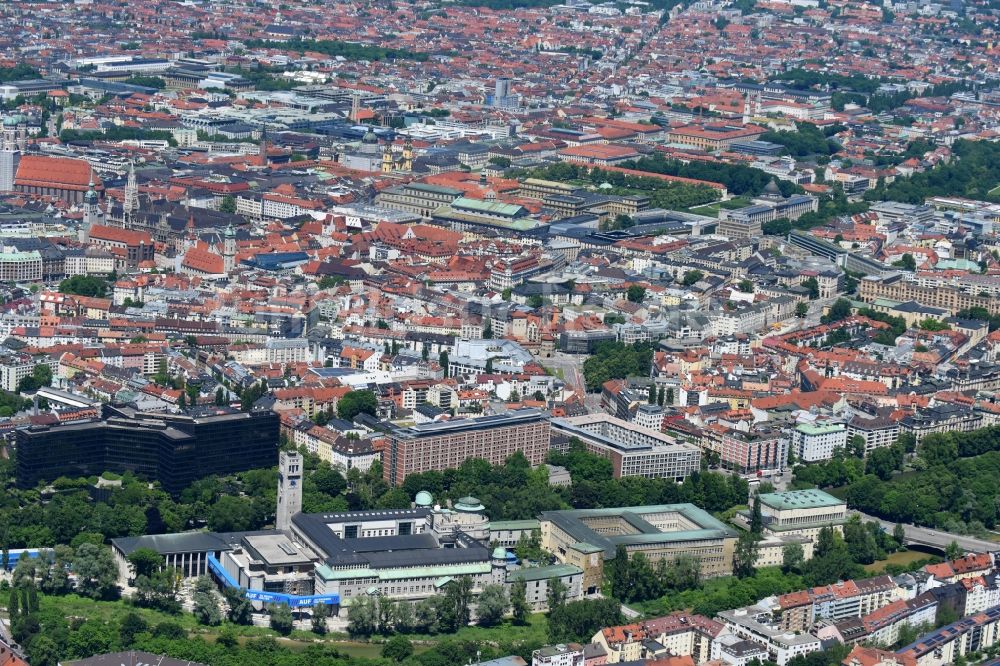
point(388, 164)
point(90, 198)
point(262, 151)
point(90, 210)
point(407, 164)
point(229, 248)
point(131, 204)
point(355, 107)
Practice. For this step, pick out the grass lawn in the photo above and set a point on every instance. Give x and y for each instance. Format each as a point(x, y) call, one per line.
point(902, 557)
point(74, 606)
point(995, 190)
point(556, 371)
point(708, 210)
point(735, 202)
point(536, 630)
point(712, 209)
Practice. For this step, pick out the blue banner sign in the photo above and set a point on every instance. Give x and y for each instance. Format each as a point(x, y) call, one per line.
point(290, 600)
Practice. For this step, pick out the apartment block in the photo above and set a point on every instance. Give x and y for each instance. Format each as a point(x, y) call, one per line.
point(883, 625)
point(677, 635)
point(945, 645)
point(877, 432)
point(813, 443)
point(632, 449)
point(447, 444)
point(759, 449)
point(896, 288)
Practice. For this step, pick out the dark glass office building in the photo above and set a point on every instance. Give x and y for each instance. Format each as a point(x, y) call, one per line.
point(174, 449)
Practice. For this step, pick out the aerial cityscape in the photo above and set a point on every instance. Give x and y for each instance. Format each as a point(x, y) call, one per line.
point(500, 333)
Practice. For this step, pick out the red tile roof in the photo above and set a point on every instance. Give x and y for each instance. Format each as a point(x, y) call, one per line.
point(57, 172)
point(8, 658)
point(116, 235)
point(869, 656)
point(203, 261)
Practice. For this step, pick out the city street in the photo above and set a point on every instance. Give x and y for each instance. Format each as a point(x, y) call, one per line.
point(570, 368)
point(926, 536)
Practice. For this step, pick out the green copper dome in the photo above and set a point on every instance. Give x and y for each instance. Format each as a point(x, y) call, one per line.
point(469, 505)
point(424, 498)
point(499, 553)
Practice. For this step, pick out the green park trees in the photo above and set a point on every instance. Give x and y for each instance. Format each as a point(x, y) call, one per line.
point(579, 620)
point(841, 309)
point(635, 578)
point(792, 558)
point(41, 376)
point(745, 554)
point(96, 571)
point(84, 285)
point(357, 402)
point(691, 277)
point(492, 605)
point(397, 649)
point(636, 293)
point(616, 360)
point(519, 606)
point(281, 618)
point(812, 285)
point(206, 602)
point(441, 613)
point(145, 561)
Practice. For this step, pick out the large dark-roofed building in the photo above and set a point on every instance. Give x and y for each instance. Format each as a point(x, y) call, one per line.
point(174, 449)
point(187, 551)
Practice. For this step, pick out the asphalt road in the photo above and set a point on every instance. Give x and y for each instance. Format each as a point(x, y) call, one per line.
point(926, 536)
point(570, 368)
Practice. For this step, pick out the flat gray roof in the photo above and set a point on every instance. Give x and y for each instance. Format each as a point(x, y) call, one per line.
point(514, 417)
point(277, 549)
point(572, 522)
point(168, 544)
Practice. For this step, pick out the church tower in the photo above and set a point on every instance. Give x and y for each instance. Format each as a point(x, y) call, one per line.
point(355, 107)
point(387, 163)
point(262, 150)
point(407, 155)
point(289, 489)
point(10, 153)
point(229, 249)
point(751, 107)
point(91, 211)
point(130, 207)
